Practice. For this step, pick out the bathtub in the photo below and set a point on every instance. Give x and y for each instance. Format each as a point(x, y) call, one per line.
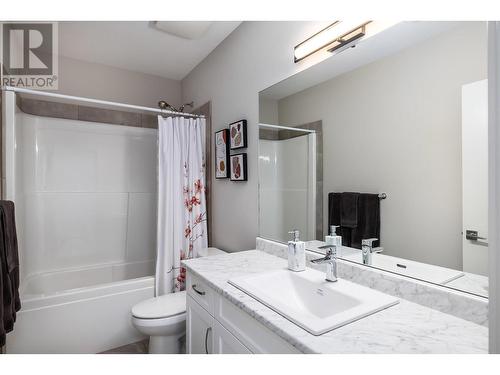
point(66, 312)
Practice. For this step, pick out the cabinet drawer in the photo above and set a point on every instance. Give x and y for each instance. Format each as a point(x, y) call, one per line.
point(254, 335)
point(200, 292)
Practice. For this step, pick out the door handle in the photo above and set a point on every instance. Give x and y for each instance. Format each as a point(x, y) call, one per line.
point(473, 235)
point(206, 339)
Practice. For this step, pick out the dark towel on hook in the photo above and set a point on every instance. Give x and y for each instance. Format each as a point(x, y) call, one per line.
point(368, 219)
point(9, 270)
point(349, 210)
point(334, 213)
point(334, 209)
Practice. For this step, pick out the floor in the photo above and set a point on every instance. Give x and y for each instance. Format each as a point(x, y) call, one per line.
point(140, 347)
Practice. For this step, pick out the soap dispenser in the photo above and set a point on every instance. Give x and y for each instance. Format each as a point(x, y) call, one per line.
point(333, 239)
point(296, 253)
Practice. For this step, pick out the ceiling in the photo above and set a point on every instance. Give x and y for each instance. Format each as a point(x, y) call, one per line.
point(140, 47)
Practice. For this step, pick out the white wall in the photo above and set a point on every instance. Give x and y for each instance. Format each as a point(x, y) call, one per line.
point(395, 126)
point(256, 55)
point(80, 78)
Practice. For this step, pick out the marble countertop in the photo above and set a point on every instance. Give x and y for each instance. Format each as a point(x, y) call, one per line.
point(469, 282)
point(404, 328)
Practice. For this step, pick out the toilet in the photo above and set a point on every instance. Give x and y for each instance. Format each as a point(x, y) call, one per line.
point(163, 318)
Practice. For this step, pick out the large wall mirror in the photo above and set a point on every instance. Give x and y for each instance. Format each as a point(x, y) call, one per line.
point(386, 140)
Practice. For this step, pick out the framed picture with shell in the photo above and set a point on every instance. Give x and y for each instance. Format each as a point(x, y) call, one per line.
point(238, 133)
point(238, 167)
point(222, 154)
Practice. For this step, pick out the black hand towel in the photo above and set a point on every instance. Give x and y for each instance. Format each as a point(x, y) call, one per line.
point(368, 220)
point(349, 210)
point(333, 209)
point(9, 270)
point(334, 212)
point(3, 271)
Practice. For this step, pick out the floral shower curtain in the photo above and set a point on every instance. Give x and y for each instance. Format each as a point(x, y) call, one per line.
point(182, 216)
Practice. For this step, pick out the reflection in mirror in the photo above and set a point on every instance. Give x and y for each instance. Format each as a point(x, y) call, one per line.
point(405, 114)
point(290, 175)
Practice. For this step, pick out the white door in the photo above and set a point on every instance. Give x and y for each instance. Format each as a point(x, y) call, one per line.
point(475, 177)
point(199, 329)
point(226, 343)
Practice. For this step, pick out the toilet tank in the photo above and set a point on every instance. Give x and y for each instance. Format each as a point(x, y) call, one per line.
point(208, 251)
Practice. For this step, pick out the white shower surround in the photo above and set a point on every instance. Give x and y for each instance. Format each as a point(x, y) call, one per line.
point(85, 197)
point(85, 194)
point(287, 187)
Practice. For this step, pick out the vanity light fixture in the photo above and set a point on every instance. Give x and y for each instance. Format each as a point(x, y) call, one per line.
point(335, 36)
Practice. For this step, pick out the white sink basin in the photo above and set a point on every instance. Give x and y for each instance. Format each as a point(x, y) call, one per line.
point(306, 299)
point(422, 271)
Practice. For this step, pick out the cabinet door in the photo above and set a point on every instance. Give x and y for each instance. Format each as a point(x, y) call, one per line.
point(199, 329)
point(226, 343)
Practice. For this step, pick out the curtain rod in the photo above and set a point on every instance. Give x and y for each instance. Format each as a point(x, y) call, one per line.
point(96, 101)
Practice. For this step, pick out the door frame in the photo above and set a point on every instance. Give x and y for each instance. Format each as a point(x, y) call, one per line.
point(494, 184)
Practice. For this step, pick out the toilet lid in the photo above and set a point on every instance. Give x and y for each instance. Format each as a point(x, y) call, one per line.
point(161, 307)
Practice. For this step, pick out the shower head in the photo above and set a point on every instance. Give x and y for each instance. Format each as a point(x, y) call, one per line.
point(164, 105)
point(190, 104)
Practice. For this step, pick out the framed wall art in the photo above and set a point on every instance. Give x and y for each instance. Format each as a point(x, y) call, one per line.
point(238, 167)
point(222, 153)
point(238, 132)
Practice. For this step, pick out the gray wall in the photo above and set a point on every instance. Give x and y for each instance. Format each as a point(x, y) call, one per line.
point(268, 111)
point(256, 55)
point(80, 78)
point(395, 126)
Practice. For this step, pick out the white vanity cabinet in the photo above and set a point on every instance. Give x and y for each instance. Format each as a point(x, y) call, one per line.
point(216, 326)
point(226, 343)
point(199, 328)
point(207, 336)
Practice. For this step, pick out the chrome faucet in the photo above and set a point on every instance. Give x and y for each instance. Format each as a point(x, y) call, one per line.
point(330, 260)
point(367, 250)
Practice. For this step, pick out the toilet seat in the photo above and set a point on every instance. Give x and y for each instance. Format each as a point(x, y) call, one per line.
point(159, 322)
point(161, 308)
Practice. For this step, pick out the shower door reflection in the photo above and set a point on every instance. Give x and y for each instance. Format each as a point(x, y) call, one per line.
point(287, 182)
